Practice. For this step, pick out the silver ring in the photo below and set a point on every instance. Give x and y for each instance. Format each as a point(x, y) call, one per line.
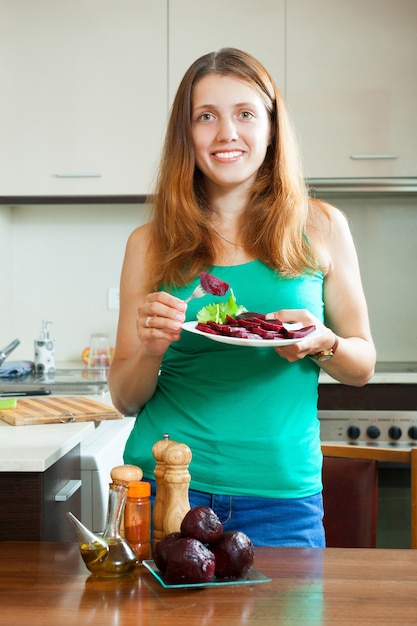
point(148, 319)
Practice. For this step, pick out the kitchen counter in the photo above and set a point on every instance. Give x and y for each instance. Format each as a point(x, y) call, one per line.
point(385, 373)
point(47, 469)
point(309, 586)
point(70, 379)
point(36, 448)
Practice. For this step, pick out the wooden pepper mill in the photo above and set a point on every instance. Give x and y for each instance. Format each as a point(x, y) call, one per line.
point(177, 457)
point(172, 480)
point(160, 496)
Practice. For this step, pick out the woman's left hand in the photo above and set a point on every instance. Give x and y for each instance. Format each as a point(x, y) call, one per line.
point(311, 344)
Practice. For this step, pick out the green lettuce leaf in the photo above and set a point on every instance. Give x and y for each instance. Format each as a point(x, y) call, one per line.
point(216, 312)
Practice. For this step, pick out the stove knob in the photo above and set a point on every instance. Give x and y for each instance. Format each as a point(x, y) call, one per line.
point(373, 432)
point(395, 432)
point(354, 432)
point(412, 432)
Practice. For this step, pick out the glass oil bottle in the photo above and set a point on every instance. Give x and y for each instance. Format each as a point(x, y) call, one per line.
point(107, 556)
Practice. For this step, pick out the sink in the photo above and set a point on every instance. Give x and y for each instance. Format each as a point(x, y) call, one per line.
point(62, 382)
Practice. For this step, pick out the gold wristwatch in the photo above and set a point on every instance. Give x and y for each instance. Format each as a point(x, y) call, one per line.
point(324, 355)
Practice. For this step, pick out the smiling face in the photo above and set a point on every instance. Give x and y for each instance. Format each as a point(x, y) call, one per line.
point(230, 130)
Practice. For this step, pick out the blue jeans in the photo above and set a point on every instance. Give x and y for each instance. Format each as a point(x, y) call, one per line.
point(292, 523)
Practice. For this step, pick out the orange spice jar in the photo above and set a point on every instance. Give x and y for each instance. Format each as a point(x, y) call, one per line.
point(137, 519)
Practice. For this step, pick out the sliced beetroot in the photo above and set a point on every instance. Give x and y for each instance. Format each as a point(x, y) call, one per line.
point(248, 323)
point(206, 329)
point(272, 325)
point(266, 334)
point(301, 332)
point(255, 328)
point(213, 285)
point(249, 315)
point(241, 333)
point(220, 328)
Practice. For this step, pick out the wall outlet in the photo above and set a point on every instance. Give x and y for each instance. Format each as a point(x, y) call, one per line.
point(113, 298)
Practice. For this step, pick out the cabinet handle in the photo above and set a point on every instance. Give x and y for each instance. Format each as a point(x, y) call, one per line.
point(68, 491)
point(77, 175)
point(374, 156)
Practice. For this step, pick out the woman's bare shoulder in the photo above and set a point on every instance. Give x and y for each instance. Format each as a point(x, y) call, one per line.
point(326, 216)
point(138, 242)
point(140, 235)
point(327, 228)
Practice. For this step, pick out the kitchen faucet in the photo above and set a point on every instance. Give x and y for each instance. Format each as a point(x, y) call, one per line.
point(4, 353)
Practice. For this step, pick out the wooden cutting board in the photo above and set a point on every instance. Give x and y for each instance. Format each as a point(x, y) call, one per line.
point(55, 410)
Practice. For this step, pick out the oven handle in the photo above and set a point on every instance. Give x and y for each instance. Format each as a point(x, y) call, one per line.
point(68, 491)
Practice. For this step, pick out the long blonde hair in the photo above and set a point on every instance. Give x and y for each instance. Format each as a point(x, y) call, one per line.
point(275, 217)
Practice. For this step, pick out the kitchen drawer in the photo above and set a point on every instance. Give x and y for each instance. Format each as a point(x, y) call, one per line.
point(29, 510)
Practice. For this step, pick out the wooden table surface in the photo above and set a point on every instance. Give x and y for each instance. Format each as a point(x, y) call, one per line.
point(47, 584)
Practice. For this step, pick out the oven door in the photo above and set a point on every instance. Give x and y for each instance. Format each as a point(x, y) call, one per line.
point(373, 430)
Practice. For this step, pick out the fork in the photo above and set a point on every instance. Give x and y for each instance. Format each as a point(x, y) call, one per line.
point(197, 293)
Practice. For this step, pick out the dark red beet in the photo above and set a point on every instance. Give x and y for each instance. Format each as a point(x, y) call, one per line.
point(205, 328)
point(234, 554)
point(162, 549)
point(272, 325)
point(250, 315)
point(213, 285)
point(201, 523)
point(254, 327)
point(189, 561)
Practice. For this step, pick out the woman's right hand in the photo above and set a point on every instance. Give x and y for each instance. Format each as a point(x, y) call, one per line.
point(159, 320)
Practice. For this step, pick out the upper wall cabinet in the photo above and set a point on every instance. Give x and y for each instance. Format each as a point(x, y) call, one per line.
point(196, 28)
point(84, 96)
point(352, 87)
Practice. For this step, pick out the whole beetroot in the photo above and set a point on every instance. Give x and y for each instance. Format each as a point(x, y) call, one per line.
point(189, 561)
point(234, 554)
point(162, 549)
point(202, 523)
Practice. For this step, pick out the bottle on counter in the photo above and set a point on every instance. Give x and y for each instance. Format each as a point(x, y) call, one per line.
point(137, 519)
point(109, 555)
point(45, 351)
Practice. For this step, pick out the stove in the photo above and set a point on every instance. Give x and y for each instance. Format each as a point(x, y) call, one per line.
point(368, 427)
point(382, 412)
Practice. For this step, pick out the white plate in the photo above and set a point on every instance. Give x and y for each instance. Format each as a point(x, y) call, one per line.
point(249, 343)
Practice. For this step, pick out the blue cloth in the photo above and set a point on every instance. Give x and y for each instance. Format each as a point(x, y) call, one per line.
point(290, 523)
point(13, 369)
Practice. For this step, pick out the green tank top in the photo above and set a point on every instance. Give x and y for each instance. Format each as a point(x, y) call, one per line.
point(248, 416)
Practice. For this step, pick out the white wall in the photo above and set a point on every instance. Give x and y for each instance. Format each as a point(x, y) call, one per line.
point(6, 239)
point(58, 262)
point(62, 261)
point(385, 232)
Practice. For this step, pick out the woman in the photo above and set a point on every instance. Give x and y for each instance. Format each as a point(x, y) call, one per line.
point(230, 200)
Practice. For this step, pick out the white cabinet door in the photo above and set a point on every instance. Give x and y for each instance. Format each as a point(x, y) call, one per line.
point(352, 86)
point(84, 96)
point(196, 28)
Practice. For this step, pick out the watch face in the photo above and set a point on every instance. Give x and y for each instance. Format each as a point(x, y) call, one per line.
point(322, 356)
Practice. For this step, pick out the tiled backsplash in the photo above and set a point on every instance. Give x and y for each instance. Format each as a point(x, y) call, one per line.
point(58, 262)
